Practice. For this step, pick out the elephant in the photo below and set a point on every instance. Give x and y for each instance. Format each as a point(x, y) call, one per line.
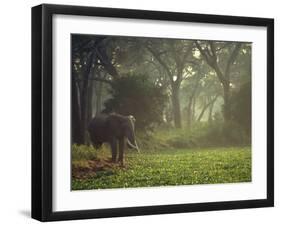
point(113, 129)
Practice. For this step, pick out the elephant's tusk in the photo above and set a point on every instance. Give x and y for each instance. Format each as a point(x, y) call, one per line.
point(133, 146)
point(137, 147)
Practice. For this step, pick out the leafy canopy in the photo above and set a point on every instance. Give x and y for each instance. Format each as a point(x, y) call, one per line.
point(139, 96)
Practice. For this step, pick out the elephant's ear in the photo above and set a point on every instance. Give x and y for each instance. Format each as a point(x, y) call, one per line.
point(114, 123)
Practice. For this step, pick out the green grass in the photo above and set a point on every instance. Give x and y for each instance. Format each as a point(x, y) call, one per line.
point(173, 167)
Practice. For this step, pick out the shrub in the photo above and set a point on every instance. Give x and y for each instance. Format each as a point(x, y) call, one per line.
point(224, 134)
point(241, 107)
point(137, 95)
point(215, 134)
point(82, 152)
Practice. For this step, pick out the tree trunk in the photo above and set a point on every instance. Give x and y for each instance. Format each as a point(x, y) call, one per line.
point(206, 106)
point(84, 111)
point(90, 101)
point(75, 114)
point(84, 97)
point(210, 118)
point(226, 98)
point(176, 105)
point(189, 113)
point(202, 111)
point(99, 87)
point(193, 109)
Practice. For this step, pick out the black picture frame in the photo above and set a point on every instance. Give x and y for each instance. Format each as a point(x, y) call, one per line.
point(42, 107)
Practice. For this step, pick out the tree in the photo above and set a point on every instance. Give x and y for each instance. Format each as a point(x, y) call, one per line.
point(88, 53)
point(137, 95)
point(189, 92)
point(208, 104)
point(210, 90)
point(199, 91)
point(241, 107)
point(221, 56)
point(173, 56)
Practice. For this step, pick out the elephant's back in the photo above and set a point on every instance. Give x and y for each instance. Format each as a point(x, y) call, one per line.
point(97, 127)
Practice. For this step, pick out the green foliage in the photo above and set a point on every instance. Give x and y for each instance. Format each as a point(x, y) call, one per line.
point(138, 96)
point(174, 167)
point(82, 152)
point(202, 135)
point(224, 134)
point(241, 107)
point(177, 138)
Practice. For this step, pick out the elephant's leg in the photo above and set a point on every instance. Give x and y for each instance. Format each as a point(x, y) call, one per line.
point(121, 151)
point(113, 145)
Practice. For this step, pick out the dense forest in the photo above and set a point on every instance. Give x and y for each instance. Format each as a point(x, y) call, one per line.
point(162, 82)
point(182, 93)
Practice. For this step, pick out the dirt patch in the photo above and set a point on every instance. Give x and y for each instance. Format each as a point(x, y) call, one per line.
point(94, 168)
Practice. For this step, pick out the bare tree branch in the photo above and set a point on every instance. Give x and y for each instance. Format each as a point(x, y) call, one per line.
point(211, 60)
point(157, 56)
point(203, 52)
point(232, 58)
point(96, 79)
point(213, 50)
point(205, 107)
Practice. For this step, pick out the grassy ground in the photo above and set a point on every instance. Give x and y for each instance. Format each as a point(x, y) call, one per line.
point(167, 167)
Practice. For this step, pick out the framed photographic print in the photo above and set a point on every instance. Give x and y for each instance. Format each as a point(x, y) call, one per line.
point(145, 112)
